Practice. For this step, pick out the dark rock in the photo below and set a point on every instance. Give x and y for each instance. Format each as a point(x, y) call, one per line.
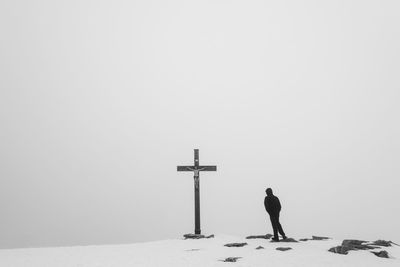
point(267, 236)
point(356, 244)
point(193, 236)
point(352, 242)
point(283, 248)
point(363, 247)
point(231, 259)
point(340, 250)
point(235, 245)
point(381, 254)
point(314, 237)
point(367, 246)
point(289, 239)
point(193, 249)
point(382, 243)
point(260, 247)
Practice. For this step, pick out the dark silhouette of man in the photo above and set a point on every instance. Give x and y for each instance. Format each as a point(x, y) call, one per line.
point(273, 207)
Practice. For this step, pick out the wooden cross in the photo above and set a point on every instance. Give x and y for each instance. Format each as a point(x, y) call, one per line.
point(196, 168)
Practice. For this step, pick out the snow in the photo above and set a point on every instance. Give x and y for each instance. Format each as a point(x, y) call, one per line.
point(202, 252)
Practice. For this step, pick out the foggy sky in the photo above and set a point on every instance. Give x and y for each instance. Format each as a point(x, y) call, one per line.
point(101, 100)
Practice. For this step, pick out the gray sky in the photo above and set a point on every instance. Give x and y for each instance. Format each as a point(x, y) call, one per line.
point(101, 100)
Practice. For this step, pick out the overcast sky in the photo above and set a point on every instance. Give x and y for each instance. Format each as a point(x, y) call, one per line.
point(101, 100)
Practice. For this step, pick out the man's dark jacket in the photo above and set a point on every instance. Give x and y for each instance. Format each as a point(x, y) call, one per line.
point(272, 204)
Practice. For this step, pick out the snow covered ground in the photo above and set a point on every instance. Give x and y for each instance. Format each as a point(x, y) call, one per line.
point(202, 252)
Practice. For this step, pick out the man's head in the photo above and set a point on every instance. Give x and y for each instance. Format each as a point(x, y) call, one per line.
point(269, 192)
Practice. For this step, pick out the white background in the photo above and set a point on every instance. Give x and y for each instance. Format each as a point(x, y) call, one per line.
point(101, 100)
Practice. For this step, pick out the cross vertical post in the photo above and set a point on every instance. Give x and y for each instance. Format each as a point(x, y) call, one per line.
point(196, 168)
point(196, 177)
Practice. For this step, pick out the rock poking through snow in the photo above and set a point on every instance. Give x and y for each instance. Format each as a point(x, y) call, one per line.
point(289, 240)
point(193, 249)
point(381, 254)
point(235, 245)
point(382, 243)
point(314, 237)
point(195, 236)
point(283, 248)
point(260, 247)
point(356, 244)
point(267, 236)
point(352, 244)
point(231, 259)
point(340, 250)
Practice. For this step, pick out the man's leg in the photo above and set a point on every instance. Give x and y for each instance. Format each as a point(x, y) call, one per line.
point(279, 227)
point(274, 226)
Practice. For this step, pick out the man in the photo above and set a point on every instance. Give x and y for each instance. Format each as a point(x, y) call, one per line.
point(273, 207)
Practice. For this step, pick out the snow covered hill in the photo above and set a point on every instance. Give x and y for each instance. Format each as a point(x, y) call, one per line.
point(200, 252)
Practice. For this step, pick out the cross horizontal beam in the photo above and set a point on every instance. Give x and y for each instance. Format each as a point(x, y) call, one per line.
point(196, 168)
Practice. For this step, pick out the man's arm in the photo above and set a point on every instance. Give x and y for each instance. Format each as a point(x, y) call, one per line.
point(279, 204)
point(267, 207)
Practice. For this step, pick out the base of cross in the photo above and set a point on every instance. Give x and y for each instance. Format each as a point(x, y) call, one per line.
point(196, 236)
